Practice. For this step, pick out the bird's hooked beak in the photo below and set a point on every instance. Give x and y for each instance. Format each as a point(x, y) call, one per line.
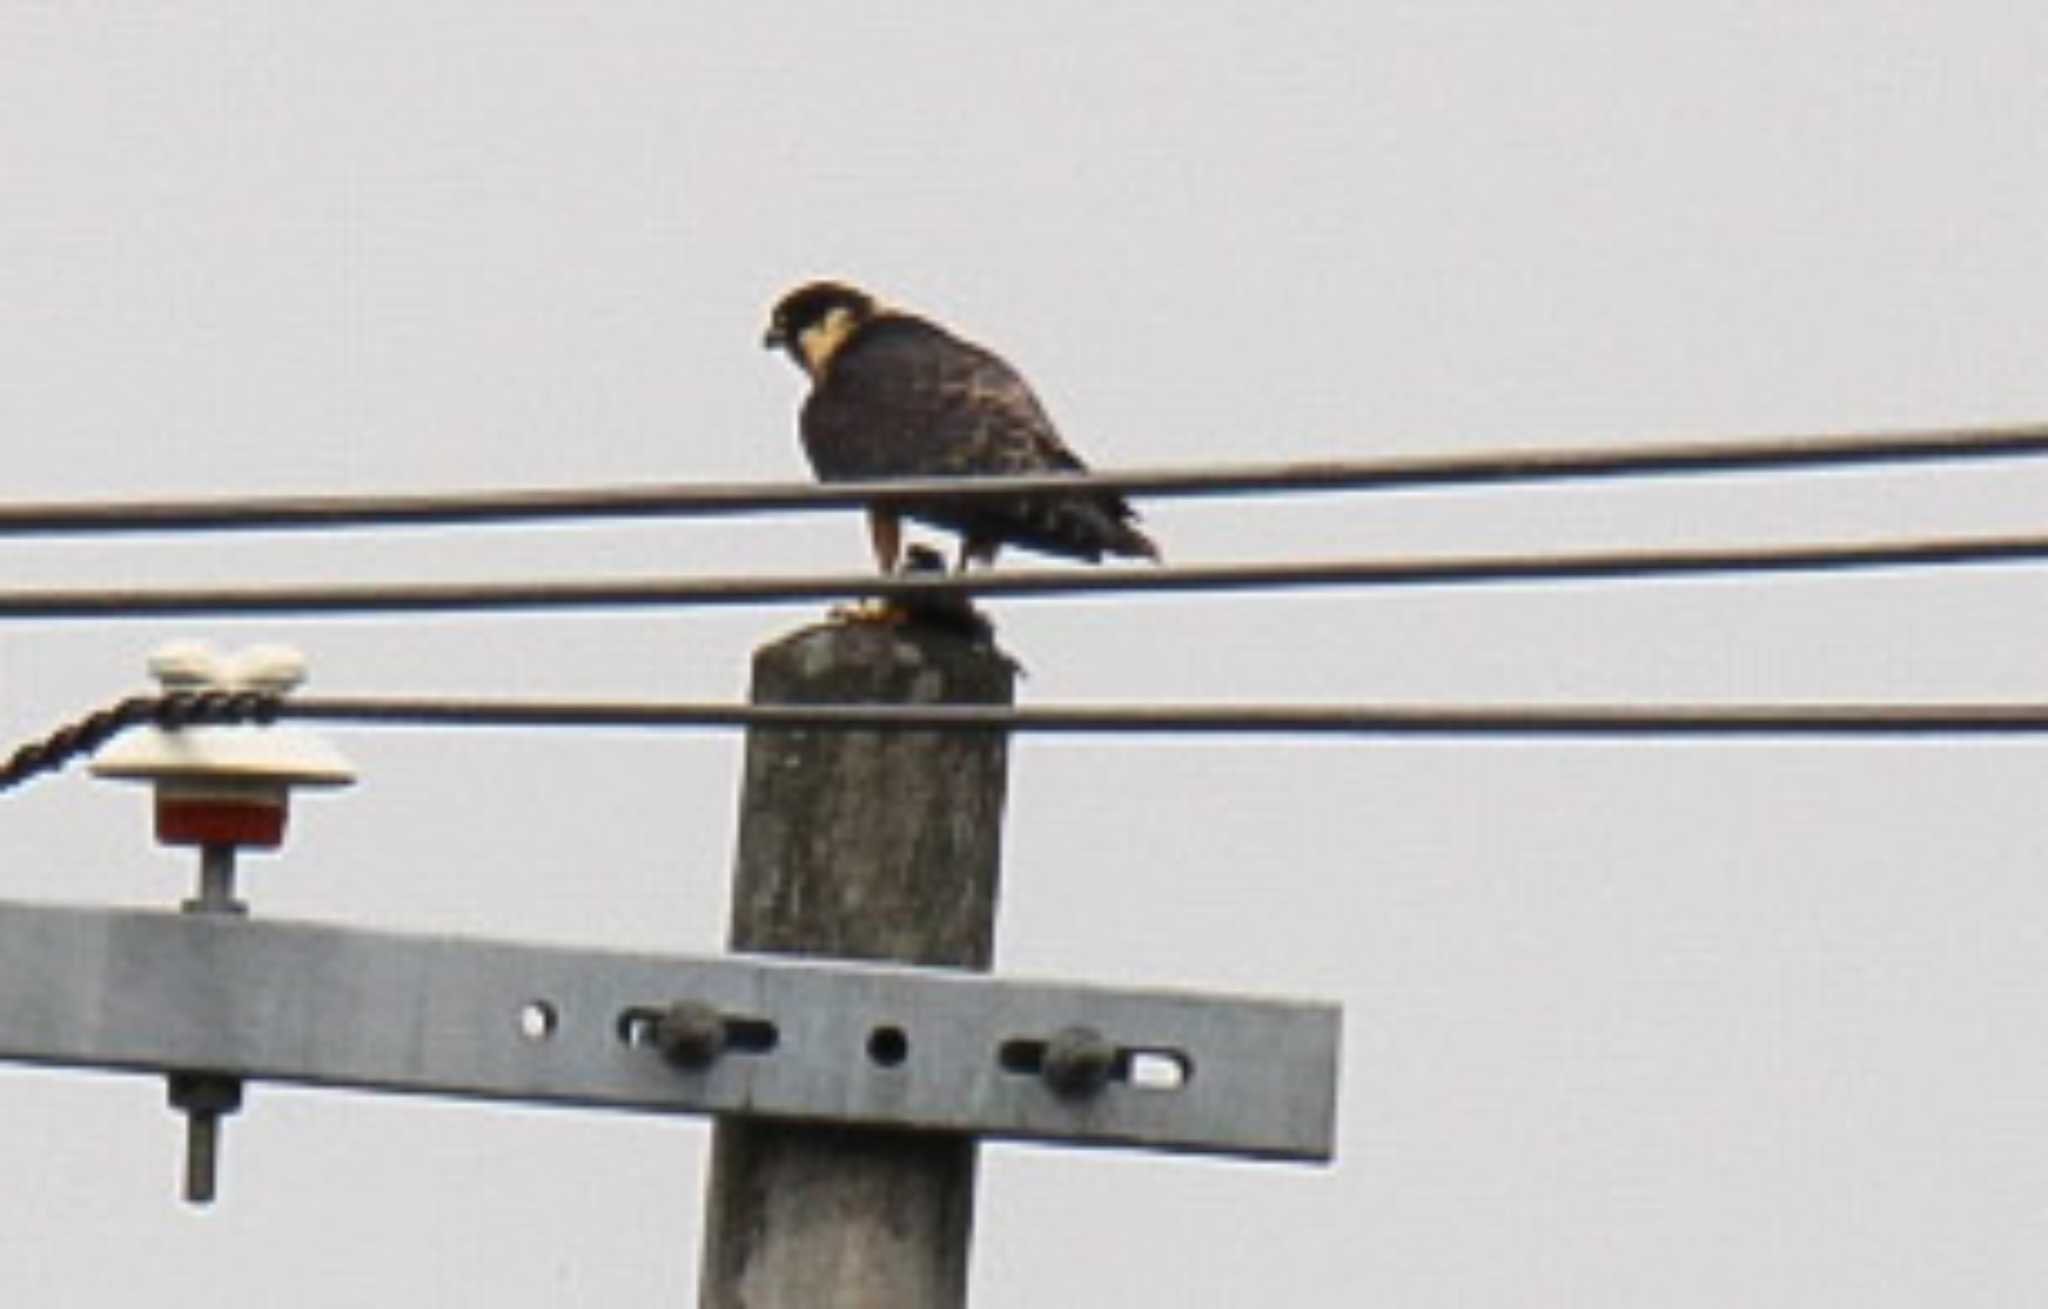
point(776, 337)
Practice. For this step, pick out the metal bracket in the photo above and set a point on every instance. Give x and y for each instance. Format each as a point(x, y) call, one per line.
point(832, 1042)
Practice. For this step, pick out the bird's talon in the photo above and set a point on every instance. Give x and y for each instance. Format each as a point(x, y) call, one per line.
point(877, 610)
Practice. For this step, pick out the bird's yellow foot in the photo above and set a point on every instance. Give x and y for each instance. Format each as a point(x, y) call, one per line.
point(917, 561)
point(875, 609)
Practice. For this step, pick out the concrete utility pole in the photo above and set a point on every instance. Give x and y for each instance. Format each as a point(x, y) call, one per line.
point(870, 845)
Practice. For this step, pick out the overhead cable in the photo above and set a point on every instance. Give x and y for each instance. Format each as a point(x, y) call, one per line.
point(1505, 569)
point(1388, 720)
point(86, 735)
point(1392, 721)
point(674, 500)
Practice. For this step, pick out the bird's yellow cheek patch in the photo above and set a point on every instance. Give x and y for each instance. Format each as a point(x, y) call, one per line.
point(822, 339)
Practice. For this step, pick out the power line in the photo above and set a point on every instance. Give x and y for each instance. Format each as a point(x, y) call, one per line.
point(1386, 721)
point(1710, 720)
point(88, 734)
point(1390, 721)
point(315, 512)
point(473, 597)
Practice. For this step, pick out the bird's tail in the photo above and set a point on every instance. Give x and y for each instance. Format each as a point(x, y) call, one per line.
point(1132, 543)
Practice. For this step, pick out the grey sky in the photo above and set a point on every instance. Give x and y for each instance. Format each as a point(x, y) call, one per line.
point(1679, 1025)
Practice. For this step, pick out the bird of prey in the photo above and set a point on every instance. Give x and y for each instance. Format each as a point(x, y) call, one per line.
point(896, 396)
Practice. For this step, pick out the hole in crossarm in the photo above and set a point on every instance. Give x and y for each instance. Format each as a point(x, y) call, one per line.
point(888, 1046)
point(743, 1034)
point(1155, 1070)
point(636, 1027)
point(750, 1035)
point(1022, 1055)
point(538, 1020)
point(1146, 1068)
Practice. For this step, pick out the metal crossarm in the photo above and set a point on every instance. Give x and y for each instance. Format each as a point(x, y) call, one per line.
point(881, 1046)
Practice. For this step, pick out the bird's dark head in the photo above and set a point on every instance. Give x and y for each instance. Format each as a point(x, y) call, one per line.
point(813, 321)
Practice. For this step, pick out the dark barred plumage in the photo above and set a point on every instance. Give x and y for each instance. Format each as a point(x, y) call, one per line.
point(896, 396)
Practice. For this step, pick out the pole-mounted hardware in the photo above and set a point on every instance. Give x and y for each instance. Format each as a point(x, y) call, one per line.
point(222, 789)
point(902, 1066)
point(851, 1044)
point(1077, 1061)
point(689, 1034)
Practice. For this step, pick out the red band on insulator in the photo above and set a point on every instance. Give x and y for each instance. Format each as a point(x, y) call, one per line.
point(219, 822)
